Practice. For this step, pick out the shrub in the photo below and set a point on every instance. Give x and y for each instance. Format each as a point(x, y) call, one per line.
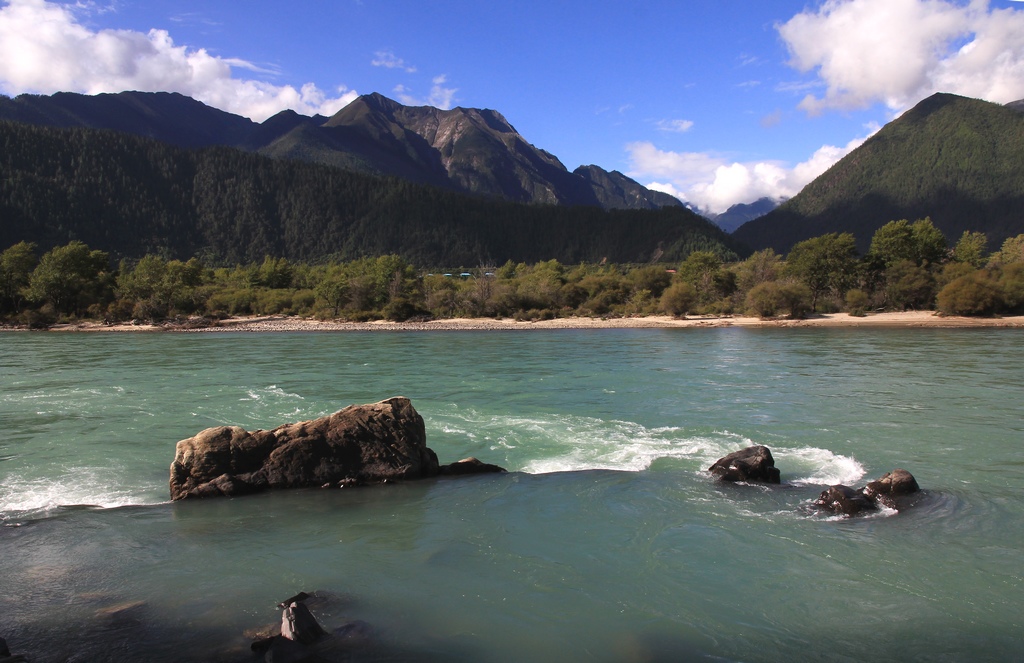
point(400, 309)
point(763, 299)
point(857, 302)
point(1011, 284)
point(795, 298)
point(774, 297)
point(679, 298)
point(974, 294)
point(951, 272)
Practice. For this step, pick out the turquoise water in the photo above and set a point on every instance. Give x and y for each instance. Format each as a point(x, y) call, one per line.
point(607, 541)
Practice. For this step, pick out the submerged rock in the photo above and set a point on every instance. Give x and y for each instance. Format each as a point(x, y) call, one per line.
point(360, 444)
point(7, 657)
point(750, 464)
point(469, 466)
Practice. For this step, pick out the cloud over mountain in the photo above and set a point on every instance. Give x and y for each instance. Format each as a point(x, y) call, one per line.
point(861, 52)
point(898, 52)
point(46, 48)
point(714, 183)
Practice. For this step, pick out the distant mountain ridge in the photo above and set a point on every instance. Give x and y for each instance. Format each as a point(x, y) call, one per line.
point(957, 160)
point(738, 214)
point(468, 150)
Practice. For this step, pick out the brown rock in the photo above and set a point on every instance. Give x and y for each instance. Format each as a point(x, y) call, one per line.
point(897, 482)
point(845, 500)
point(750, 464)
point(359, 444)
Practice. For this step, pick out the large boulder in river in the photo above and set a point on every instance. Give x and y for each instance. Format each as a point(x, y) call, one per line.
point(359, 444)
point(750, 464)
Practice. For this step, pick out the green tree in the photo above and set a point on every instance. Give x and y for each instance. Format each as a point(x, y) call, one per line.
point(703, 270)
point(16, 265)
point(760, 267)
point(275, 273)
point(70, 277)
point(332, 290)
point(825, 264)
point(909, 286)
point(1011, 252)
point(970, 249)
point(919, 242)
point(653, 279)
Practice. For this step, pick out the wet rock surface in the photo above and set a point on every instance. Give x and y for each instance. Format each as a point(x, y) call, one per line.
point(751, 464)
point(361, 444)
point(891, 490)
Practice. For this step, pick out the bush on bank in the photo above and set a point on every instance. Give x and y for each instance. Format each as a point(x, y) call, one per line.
point(908, 267)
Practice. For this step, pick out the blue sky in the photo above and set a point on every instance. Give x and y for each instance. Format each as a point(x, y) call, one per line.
point(719, 102)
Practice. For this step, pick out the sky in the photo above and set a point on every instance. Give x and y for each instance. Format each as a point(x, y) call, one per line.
point(715, 101)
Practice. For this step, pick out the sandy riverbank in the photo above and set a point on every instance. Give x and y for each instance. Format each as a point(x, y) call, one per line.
point(291, 324)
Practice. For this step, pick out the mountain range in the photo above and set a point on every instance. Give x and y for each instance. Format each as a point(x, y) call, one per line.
point(131, 196)
point(956, 160)
point(464, 149)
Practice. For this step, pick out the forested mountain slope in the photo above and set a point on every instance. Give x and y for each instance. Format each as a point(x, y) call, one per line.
point(956, 160)
point(131, 196)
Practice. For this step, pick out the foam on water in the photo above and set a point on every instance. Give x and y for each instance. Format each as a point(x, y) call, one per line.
point(810, 466)
point(566, 443)
point(99, 487)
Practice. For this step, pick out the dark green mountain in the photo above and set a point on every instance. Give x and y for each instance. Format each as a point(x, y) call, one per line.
point(463, 149)
point(959, 161)
point(164, 116)
point(132, 196)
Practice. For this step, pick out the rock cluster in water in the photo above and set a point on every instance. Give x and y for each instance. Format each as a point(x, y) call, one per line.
point(887, 491)
point(755, 464)
point(360, 444)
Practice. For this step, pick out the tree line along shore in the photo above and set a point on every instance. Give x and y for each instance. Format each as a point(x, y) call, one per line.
point(909, 266)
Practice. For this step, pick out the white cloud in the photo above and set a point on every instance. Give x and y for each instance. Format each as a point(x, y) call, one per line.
point(45, 49)
point(714, 184)
point(440, 96)
point(900, 51)
point(389, 60)
point(677, 126)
